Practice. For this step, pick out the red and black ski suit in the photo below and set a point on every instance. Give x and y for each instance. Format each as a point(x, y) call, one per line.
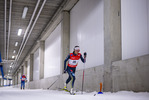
point(71, 67)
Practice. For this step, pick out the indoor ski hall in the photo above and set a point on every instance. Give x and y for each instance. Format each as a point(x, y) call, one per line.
point(74, 49)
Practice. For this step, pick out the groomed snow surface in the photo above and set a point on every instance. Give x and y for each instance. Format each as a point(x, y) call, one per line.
point(10, 93)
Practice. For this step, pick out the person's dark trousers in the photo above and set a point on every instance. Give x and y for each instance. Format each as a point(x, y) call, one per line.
point(23, 84)
point(71, 73)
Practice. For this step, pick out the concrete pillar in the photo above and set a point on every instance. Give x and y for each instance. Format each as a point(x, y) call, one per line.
point(0, 82)
point(31, 66)
point(13, 80)
point(16, 81)
point(9, 82)
point(17, 77)
point(112, 39)
point(22, 70)
point(65, 38)
point(19, 73)
point(41, 56)
point(25, 68)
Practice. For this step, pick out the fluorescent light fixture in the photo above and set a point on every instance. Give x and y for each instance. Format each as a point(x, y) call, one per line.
point(16, 44)
point(24, 12)
point(13, 57)
point(19, 32)
point(14, 51)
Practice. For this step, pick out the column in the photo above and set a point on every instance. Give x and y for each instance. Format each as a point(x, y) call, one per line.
point(65, 38)
point(41, 56)
point(31, 66)
point(112, 39)
point(22, 70)
point(17, 78)
point(25, 68)
point(13, 80)
point(0, 82)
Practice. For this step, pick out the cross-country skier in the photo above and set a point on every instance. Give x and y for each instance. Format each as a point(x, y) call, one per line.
point(23, 79)
point(71, 67)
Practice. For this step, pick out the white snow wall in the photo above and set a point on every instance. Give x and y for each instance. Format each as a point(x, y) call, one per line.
point(86, 30)
point(36, 65)
point(135, 28)
point(52, 53)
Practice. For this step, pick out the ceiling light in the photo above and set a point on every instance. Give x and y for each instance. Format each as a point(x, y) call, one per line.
point(19, 32)
point(14, 51)
point(13, 57)
point(24, 12)
point(16, 44)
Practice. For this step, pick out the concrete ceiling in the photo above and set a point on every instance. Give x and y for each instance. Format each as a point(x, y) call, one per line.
point(48, 11)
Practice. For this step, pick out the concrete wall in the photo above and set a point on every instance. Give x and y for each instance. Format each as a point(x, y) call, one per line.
point(128, 75)
point(131, 74)
point(92, 78)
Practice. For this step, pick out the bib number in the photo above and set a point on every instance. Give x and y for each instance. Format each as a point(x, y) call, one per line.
point(73, 62)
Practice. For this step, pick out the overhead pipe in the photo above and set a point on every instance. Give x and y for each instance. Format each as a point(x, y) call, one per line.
point(32, 26)
point(26, 31)
point(9, 28)
point(31, 30)
point(5, 10)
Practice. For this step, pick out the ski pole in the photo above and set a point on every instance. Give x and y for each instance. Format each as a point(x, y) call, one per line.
point(53, 83)
point(83, 78)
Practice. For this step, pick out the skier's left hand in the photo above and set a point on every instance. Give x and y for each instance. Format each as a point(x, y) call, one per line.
point(85, 54)
point(65, 70)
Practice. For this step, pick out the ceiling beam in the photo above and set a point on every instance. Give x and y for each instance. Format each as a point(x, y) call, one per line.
point(32, 27)
point(9, 27)
point(18, 56)
point(27, 29)
point(5, 18)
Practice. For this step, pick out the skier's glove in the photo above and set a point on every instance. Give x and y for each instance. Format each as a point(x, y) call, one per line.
point(65, 70)
point(85, 54)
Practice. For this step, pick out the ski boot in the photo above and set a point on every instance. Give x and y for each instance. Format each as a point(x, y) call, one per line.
point(65, 86)
point(72, 91)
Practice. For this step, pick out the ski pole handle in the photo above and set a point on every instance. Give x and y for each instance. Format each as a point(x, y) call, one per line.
point(85, 54)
